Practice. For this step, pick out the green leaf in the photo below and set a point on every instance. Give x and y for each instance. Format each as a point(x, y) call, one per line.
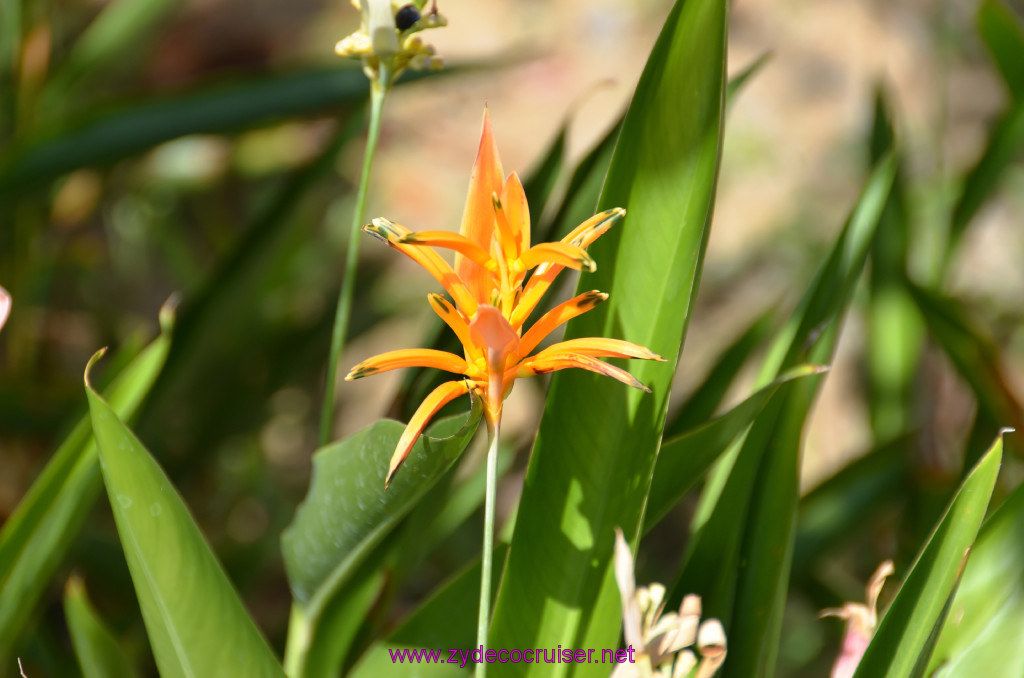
point(96, 648)
point(746, 74)
point(36, 537)
point(905, 632)
point(685, 459)
point(741, 550)
point(347, 511)
point(1003, 33)
point(196, 622)
point(595, 452)
point(111, 136)
point(984, 634)
point(1004, 146)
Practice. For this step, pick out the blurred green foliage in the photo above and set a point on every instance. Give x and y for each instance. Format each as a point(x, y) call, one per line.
point(136, 164)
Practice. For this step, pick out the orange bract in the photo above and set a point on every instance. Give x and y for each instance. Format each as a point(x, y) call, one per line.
point(494, 297)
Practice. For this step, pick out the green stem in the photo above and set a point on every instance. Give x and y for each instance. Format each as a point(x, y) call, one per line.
point(378, 92)
point(484, 617)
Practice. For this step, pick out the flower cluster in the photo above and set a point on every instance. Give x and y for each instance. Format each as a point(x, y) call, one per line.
point(662, 641)
point(388, 41)
point(496, 282)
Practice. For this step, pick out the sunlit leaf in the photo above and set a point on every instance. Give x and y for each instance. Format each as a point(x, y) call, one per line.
point(38, 534)
point(984, 633)
point(196, 622)
point(740, 554)
point(901, 644)
point(584, 479)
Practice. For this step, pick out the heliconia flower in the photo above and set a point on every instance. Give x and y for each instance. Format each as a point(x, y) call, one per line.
point(659, 642)
point(861, 622)
point(494, 293)
point(387, 36)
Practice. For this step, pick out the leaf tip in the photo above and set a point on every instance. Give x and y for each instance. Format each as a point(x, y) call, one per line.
point(92, 361)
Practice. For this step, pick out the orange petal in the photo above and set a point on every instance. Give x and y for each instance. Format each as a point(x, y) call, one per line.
point(543, 365)
point(513, 199)
point(450, 315)
point(478, 216)
point(600, 347)
point(559, 253)
point(451, 241)
point(438, 398)
point(408, 357)
point(533, 292)
point(594, 227)
point(506, 235)
point(492, 333)
point(558, 315)
point(426, 257)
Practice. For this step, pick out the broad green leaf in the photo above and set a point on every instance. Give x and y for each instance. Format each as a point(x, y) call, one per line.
point(909, 626)
point(96, 648)
point(684, 459)
point(595, 452)
point(984, 634)
point(740, 553)
point(36, 537)
point(196, 622)
point(1003, 32)
point(347, 511)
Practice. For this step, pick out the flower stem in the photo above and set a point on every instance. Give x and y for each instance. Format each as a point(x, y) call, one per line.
point(487, 557)
point(378, 92)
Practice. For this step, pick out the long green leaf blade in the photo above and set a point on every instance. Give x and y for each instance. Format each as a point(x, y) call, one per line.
point(741, 551)
point(37, 535)
point(684, 459)
point(595, 452)
point(917, 611)
point(196, 622)
point(984, 634)
point(96, 648)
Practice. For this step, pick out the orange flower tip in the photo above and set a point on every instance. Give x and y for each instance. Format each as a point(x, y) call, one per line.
point(591, 299)
point(385, 230)
point(358, 372)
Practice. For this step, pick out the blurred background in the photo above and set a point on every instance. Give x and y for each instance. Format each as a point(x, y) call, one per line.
point(209, 149)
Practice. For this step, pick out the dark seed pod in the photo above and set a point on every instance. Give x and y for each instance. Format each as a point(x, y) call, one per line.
point(406, 17)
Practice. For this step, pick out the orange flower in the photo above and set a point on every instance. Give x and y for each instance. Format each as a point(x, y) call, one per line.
point(494, 297)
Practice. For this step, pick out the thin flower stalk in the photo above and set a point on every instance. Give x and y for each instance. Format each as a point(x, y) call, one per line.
point(386, 43)
point(496, 281)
